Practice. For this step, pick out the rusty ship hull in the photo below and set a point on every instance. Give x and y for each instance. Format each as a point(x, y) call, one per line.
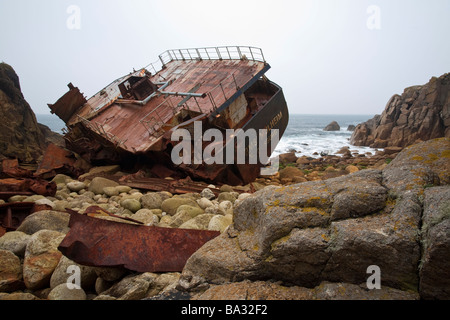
point(131, 121)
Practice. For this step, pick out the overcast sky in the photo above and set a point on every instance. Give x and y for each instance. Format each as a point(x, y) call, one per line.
point(329, 56)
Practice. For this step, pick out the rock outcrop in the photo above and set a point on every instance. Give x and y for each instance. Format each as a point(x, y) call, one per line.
point(321, 232)
point(21, 136)
point(332, 126)
point(421, 113)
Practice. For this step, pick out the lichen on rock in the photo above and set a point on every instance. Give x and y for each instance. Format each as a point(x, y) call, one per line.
point(334, 230)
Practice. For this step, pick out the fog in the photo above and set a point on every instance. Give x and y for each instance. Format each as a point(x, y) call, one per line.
point(329, 56)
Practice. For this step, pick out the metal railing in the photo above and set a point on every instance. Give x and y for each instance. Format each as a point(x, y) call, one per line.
point(154, 120)
point(100, 130)
point(207, 53)
point(213, 53)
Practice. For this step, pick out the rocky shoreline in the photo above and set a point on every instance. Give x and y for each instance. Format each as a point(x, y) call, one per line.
point(321, 237)
point(35, 276)
point(346, 212)
point(317, 229)
point(35, 269)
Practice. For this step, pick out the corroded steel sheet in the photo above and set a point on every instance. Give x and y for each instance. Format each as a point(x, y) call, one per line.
point(38, 186)
point(12, 214)
point(97, 242)
point(178, 186)
point(56, 160)
point(68, 104)
point(10, 168)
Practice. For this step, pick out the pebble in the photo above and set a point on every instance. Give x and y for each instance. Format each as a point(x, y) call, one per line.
point(146, 216)
point(204, 203)
point(131, 204)
point(207, 193)
point(76, 186)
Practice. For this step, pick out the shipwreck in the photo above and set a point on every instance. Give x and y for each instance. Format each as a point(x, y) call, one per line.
point(130, 122)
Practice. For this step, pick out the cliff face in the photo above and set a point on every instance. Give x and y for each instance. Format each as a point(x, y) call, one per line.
point(21, 136)
point(421, 113)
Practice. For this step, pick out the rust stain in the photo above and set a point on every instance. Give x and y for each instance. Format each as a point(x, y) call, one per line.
point(97, 242)
point(57, 160)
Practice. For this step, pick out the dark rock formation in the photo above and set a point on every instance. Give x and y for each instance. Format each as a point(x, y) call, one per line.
point(21, 136)
point(332, 126)
point(421, 113)
point(318, 232)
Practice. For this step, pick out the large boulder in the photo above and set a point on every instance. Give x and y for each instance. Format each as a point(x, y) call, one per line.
point(261, 290)
point(10, 271)
point(45, 220)
point(421, 165)
point(15, 241)
point(63, 274)
point(337, 230)
point(132, 287)
point(420, 113)
point(332, 126)
point(435, 264)
point(41, 258)
point(63, 292)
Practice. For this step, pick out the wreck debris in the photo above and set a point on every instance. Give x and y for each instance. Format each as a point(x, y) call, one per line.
point(97, 242)
point(18, 180)
point(13, 214)
point(178, 186)
point(37, 186)
point(57, 160)
point(10, 168)
point(130, 122)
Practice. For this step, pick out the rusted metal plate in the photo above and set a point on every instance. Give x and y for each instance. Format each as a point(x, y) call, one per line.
point(12, 214)
point(96, 211)
point(37, 186)
point(178, 186)
point(43, 187)
point(5, 195)
point(56, 160)
point(96, 242)
point(12, 185)
point(10, 168)
point(68, 104)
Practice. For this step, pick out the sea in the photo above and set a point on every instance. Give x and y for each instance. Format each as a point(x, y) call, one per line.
point(306, 136)
point(52, 121)
point(304, 133)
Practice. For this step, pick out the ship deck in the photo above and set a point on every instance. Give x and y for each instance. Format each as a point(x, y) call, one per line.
point(136, 128)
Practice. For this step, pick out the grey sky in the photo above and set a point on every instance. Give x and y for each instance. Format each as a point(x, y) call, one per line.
point(322, 52)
